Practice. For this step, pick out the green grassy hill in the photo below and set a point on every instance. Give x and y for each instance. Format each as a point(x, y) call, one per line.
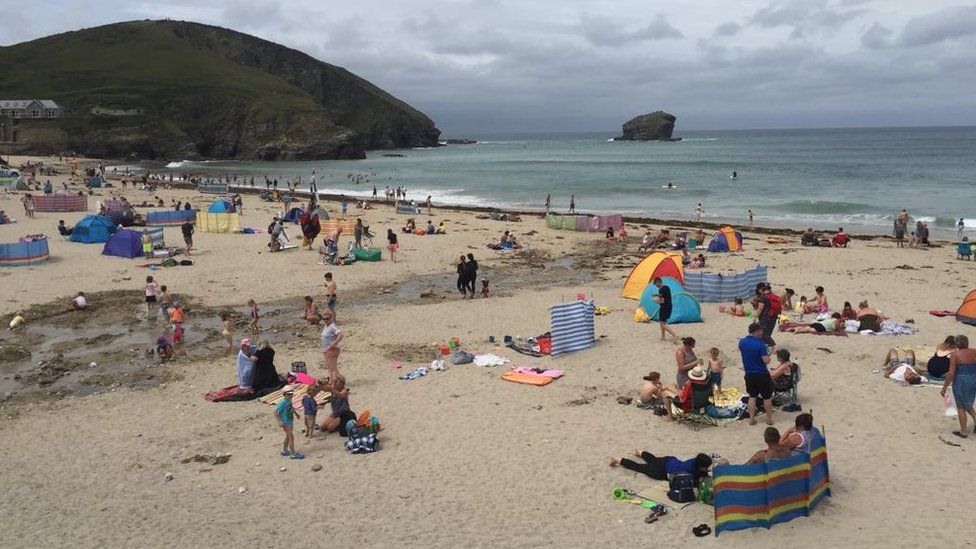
point(204, 91)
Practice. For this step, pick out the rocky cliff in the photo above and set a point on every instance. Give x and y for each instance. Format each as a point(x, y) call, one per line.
point(656, 126)
point(168, 89)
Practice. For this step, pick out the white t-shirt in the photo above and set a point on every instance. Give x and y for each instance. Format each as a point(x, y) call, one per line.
point(899, 373)
point(81, 302)
point(329, 335)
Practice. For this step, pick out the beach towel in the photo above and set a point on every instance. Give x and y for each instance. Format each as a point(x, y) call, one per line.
point(489, 360)
point(554, 374)
point(230, 394)
point(572, 327)
point(528, 379)
point(942, 313)
point(296, 399)
point(419, 372)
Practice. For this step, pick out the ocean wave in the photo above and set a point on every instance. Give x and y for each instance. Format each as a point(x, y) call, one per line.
point(825, 207)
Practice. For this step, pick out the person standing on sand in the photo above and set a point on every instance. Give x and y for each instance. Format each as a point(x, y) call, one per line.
point(462, 281)
point(330, 338)
point(572, 203)
point(699, 210)
point(330, 293)
point(471, 274)
point(759, 384)
point(686, 359)
point(750, 218)
point(960, 227)
point(285, 416)
point(962, 377)
point(391, 239)
point(151, 291)
point(548, 202)
point(663, 298)
point(374, 192)
point(430, 206)
point(187, 229)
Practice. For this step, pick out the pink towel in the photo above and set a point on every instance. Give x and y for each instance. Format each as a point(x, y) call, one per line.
point(554, 374)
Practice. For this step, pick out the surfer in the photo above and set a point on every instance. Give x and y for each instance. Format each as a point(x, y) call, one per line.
point(734, 176)
point(670, 185)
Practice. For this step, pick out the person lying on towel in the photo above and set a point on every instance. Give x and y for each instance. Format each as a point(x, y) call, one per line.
point(833, 324)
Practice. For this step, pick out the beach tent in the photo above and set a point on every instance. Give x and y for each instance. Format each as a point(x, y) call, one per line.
point(572, 327)
point(293, 215)
point(717, 287)
point(764, 494)
point(726, 240)
point(125, 243)
point(657, 264)
point(24, 253)
point(684, 307)
point(221, 206)
point(967, 311)
point(11, 180)
point(323, 215)
point(93, 229)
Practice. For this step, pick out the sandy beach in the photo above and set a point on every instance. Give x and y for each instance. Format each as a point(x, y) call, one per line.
point(466, 458)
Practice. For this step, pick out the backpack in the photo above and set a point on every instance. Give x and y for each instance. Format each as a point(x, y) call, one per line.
point(681, 488)
point(775, 306)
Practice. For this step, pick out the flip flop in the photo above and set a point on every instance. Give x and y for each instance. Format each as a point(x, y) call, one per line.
point(701, 530)
point(960, 434)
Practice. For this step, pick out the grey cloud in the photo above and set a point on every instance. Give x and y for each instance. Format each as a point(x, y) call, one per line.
point(727, 29)
point(604, 31)
point(939, 26)
point(803, 14)
point(876, 37)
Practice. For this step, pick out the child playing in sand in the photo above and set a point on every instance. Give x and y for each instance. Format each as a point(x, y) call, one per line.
point(715, 368)
point(227, 332)
point(176, 317)
point(164, 350)
point(164, 301)
point(311, 408)
point(151, 291)
point(737, 309)
point(255, 316)
point(285, 416)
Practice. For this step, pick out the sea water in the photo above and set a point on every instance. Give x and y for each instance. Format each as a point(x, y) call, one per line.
point(856, 178)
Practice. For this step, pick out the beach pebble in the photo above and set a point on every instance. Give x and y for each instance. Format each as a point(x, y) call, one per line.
point(316, 468)
point(283, 469)
point(168, 477)
point(241, 490)
point(93, 364)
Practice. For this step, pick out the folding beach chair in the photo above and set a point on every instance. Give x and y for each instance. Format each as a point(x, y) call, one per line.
point(697, 417)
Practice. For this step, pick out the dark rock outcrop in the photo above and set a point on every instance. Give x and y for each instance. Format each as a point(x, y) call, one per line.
point(196, 91)
point(656, 126)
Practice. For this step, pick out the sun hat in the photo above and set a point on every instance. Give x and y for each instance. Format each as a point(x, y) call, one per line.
point(288, 390)
point(697, 373)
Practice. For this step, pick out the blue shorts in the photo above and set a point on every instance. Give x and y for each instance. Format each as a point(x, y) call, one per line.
point(715, 378)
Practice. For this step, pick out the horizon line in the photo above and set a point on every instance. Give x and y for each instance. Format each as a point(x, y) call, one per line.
point(676, 134)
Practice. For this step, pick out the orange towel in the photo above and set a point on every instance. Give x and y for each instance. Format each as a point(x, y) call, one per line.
point(529, 379)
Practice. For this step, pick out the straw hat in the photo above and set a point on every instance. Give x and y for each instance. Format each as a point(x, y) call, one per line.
point(697, 374)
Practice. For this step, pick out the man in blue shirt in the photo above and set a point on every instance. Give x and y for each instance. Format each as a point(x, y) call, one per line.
point(759, 384)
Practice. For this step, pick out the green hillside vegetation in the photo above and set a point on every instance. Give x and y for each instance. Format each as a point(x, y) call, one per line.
point(204, 91)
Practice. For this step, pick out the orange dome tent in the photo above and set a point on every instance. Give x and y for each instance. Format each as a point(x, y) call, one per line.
point(658, 264)
point(967, 311)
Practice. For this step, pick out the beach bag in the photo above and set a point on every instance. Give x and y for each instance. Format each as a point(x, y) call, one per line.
point(461, 357)
point(545, 345)
point(775, 306)
point(681, 488)
point(362, 445)
point(706, 494)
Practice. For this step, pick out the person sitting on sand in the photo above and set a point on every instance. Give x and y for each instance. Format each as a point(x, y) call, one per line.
point(79, 303)
point(410, 226)
point(340, 414)
point(164, 349)
point(802, 436)
point(869, 318)
point(654, 393)
point(610, 235)
point(310, 311)
point(736, 309)
point(840, 239)
point(661, 240)
point(245, 365)
point(964, 250)
point(698, 262)
point(819, 303)
point(646, 242)
point(774, 449)
point(782, 373)
point(661, 467)
point(786, 299)
point(848, 312)
point(430, 227)
point(828, 325)
point(808, 238)
point(441, 229)
point(938, 365)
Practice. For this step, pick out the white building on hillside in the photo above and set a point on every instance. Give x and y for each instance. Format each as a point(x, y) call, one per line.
point(29, 108)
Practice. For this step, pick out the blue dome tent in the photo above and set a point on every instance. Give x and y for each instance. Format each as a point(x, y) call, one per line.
point(221, 206)
point(293, 215)
point(93, 229)
point(684, 307)
point(125, 243)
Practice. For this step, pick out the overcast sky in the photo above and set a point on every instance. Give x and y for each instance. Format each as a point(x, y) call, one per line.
point(569, 65)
